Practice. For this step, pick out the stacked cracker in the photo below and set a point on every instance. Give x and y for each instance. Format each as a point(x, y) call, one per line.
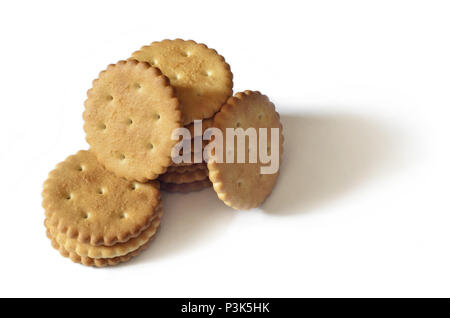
point(103, 206)
point(95, 217)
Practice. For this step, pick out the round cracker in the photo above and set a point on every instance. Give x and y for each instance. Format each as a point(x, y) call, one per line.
point(119, 249)
point(201, 77)
point(85, 201)
point(131, 111)
point(186, 187)
point(241, 185)
point(185, 177)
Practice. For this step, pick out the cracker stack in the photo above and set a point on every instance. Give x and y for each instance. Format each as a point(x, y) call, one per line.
point(95, 217)
point(103, 206)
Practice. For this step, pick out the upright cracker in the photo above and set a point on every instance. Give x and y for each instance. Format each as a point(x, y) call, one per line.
point(241, 185)
point(85, 201)
point(201, 77)
point(131, 111)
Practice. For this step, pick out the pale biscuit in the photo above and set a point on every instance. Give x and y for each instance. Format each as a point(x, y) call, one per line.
point(119, 249)
point(130, 113)
point(186, 187)
point(185, 177)
point(85, 201)
point(201, 77)
point(241, 185)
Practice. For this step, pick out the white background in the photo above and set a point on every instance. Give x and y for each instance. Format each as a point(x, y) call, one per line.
point(362, 205)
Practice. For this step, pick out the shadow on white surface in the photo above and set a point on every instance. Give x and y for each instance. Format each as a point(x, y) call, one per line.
point(325, 157)
point(189, 219)
point(328, 155)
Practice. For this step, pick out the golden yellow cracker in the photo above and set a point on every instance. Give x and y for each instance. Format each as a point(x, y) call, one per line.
point(131, 111)
point(96, 262)
point(119, 249)
point(201, 77)
point(183, 169)
point(186, 187)
point(241, 185)
point(186, 177)
point(85, 201)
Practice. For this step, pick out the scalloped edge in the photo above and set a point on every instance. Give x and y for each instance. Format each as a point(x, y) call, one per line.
point(97, 262)
point(119, 249)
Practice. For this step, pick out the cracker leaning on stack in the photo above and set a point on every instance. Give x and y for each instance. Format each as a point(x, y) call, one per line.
point(103, 206)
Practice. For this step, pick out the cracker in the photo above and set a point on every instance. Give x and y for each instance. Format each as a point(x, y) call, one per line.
point(185, 177)
point(97, 262)
point(201, 77)
point(186, 187)
point(130, 113)
point(119, 249)
point(241, 185)
point(85, 201)
point(182, 169)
